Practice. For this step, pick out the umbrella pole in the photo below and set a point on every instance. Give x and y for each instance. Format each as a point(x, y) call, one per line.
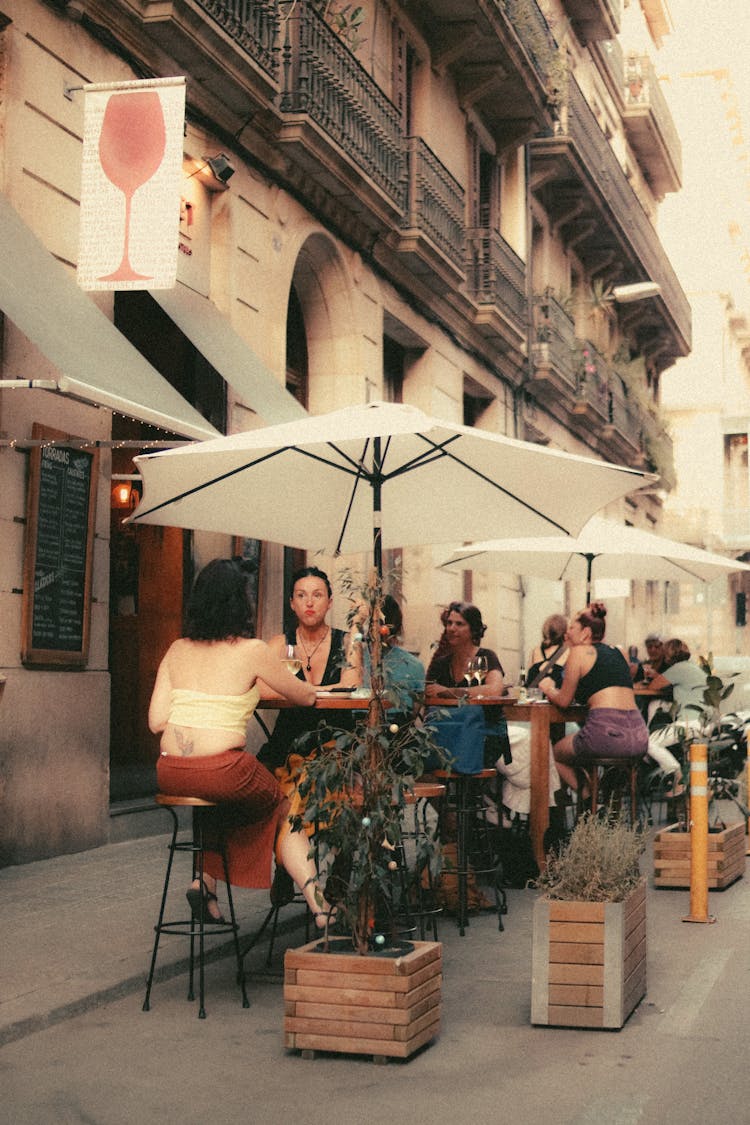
point(377, 515)
point(589, 562)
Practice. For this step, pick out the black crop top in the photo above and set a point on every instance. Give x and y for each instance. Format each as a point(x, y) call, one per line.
point(610, 669)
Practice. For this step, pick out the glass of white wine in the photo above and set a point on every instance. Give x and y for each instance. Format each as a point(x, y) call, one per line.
point(469, 673)
point(293, 663)
point(480, 669)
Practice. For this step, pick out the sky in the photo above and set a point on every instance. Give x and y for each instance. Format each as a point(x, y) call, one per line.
point(708, 35)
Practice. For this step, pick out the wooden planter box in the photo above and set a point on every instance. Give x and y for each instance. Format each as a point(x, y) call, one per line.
point(726, 856)
point(589, 961)
point(378, 1005)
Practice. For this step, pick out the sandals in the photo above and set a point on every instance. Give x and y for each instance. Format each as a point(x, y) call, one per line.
point(329, 917)
point(199, 899)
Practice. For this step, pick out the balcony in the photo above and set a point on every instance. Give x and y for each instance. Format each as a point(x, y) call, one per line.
point(594, 19)
point(649, 126)
point(431, 239)
point(553, 355)
point(502, 57)
point(229, 47)
point(496, 282)
point(339, 130)
point(580, 183)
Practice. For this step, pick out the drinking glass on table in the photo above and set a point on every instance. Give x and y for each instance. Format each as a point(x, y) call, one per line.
point(469, 672)
point(480, 669)
point(293, 663)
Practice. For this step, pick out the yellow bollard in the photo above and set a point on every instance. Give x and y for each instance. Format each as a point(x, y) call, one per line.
point(698, 834)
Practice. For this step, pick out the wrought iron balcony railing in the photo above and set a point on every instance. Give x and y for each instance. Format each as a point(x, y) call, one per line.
point(612, 212)
point(322, 79)
point(649, 124)
point(556, 340)
point(434, 201)
point(253, 25)
point(495, 275)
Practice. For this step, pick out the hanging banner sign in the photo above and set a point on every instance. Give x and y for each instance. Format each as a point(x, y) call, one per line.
point(131, 184)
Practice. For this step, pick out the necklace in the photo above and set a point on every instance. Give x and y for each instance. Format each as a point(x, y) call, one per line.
point(309, 654)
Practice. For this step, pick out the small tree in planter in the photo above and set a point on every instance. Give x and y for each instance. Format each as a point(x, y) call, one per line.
point(589, 934)
point(354, 791)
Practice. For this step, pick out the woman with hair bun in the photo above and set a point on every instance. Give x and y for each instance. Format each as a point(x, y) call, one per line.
point(596, 675)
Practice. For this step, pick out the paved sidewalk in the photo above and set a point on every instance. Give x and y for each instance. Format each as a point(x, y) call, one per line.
point(76, 932)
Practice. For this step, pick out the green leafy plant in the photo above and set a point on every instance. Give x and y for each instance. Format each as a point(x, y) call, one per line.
point(714, 694)
point(355, 789)
point(599, 863)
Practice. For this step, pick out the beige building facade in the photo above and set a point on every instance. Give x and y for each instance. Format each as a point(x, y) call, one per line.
point(433, 202)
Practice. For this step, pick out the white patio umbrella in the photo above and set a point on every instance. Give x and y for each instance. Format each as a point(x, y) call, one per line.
point(603, 549)
point(374, 476)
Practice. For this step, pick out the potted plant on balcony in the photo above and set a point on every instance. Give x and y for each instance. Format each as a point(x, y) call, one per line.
point(726, 843)
point(589, 928)
point(370, 992)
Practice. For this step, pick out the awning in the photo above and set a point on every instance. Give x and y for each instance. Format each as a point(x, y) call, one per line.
point(227, 352)
point(95, 361)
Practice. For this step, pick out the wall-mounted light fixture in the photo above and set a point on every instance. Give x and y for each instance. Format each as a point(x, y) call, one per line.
point(625, 294)
point(215, 172)
point(221, 166)
point(126, 490)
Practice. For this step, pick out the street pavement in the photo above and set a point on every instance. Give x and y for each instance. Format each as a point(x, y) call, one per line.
point(75, 1047)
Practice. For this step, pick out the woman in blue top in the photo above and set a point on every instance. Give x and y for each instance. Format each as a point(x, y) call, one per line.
point(598, 676)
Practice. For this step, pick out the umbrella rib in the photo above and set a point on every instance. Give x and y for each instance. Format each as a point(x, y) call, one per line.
point(439, 450)
point(207, 483)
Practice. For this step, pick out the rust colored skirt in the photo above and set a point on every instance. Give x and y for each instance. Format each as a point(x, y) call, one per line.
point(249, 798)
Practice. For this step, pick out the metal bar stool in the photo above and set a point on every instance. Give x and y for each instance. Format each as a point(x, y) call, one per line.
point(588, 772)
point(475, 850)
point(193, 928)
point(424, 906)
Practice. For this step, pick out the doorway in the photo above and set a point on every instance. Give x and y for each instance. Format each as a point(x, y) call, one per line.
point(151, 568)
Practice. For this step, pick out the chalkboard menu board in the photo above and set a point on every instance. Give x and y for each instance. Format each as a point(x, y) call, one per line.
point(59, 549)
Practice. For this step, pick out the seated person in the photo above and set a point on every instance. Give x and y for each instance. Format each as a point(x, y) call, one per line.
point(327, 661)
point(686, 682)
point(655, 656)
point(551, 653)
point(206, 689)
point(403, 678)
point(507, 748)
point(596, 674)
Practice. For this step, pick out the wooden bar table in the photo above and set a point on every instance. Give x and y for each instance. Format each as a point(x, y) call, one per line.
point(539, 715)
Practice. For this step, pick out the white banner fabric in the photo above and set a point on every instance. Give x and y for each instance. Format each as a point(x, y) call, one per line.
point(131, 184)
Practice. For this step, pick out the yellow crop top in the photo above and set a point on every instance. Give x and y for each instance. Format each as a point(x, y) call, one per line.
point(212, 712)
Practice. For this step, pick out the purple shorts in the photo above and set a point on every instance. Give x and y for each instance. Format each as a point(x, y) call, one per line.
point(611, 733)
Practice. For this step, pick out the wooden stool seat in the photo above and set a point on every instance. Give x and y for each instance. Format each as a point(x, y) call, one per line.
point(167, 800)
point(195, 844)
point(425, 790)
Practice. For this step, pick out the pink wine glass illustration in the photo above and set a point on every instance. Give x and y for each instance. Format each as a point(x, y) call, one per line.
point(131, 148)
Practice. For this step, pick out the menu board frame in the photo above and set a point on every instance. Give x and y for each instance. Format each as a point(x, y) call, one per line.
point(54, 494)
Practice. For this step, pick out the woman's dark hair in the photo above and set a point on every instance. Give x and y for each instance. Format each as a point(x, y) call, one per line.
point(309, 572)
point(553, 629)
point(392, 616)
point(471, 615)
point(592, 617)
point(675, 651)
point(220, 608)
